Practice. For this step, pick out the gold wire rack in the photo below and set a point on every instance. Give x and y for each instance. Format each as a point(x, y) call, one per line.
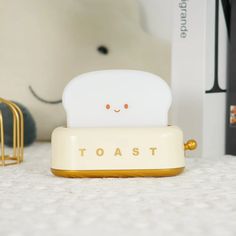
point(17, 155)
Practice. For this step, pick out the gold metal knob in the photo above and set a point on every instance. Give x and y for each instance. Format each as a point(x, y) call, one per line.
point(190, 145)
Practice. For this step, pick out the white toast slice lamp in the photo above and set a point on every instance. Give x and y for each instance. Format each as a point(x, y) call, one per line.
point(117, 126)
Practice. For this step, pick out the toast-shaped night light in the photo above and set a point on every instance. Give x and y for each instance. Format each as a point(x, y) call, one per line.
point(117, 126)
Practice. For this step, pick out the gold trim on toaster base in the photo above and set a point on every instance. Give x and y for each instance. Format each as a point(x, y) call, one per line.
point(117, 173)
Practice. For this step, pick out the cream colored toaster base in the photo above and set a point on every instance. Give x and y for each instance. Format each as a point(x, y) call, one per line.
point(117, 152)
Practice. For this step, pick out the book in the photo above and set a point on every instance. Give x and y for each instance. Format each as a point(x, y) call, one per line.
point(231, 87)
point(199, 72)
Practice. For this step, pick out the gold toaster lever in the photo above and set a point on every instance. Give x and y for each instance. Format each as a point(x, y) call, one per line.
point(190, 145)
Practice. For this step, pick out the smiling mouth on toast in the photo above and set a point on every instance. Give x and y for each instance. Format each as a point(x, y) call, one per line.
point(117, 110)
point(42, 99)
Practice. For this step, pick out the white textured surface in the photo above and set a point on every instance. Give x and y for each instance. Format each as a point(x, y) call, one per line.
point(201, 201)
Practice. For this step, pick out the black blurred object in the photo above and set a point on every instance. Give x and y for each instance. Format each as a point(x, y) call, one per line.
point(231, 87)
point(226, 5)
point(29, 125)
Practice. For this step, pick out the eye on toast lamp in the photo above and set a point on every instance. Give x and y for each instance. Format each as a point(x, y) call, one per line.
point(18, 135)
point(117, 126)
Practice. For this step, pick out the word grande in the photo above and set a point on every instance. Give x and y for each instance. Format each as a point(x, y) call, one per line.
point(183, 5)
point(118, 152)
